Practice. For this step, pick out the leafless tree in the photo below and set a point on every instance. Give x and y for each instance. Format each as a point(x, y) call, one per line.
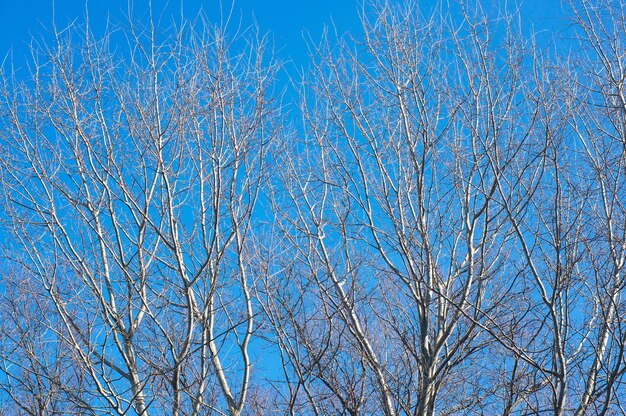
point(438, 225)
point(391, 214)
point(131, 169)
point(452, 220)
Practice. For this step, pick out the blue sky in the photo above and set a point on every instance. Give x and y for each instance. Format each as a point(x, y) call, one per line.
point(285, 19)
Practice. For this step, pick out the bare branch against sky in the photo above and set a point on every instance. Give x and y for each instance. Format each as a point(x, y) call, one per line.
point(418, 210)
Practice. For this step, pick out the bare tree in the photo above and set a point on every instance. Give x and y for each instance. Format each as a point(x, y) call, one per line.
point(439, 227)
point(453, 218)
point(569, 227)
point(131, 169)
point(391, 213)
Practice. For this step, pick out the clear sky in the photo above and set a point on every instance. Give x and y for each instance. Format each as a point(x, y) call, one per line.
point(285, 19)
